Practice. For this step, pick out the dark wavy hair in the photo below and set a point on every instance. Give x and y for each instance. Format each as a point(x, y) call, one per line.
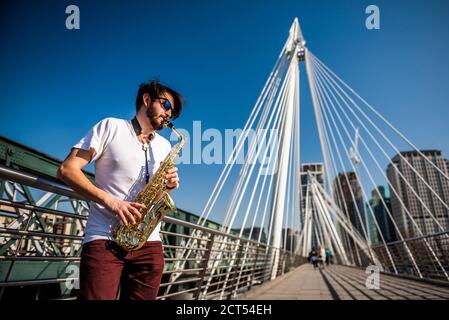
point(155, 89)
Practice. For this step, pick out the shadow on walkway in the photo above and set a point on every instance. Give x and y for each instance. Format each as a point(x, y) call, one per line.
point(342, 283)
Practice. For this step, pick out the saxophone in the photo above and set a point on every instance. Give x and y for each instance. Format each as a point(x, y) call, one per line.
point(156, 199)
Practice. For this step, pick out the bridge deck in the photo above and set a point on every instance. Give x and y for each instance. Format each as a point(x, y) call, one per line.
point(342, 283)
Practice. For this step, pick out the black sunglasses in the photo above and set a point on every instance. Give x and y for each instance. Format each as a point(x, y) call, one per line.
point(165, 103)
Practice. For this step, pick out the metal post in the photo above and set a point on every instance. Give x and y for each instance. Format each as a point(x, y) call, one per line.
point(254, 267)
point(204, 266)
point(237, 264)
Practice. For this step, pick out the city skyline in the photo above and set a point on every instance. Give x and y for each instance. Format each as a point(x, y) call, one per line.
point(402, 196)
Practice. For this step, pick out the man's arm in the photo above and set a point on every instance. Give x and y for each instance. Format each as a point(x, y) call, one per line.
point(71, 173)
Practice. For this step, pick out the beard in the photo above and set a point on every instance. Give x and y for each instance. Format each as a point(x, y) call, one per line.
point(155, 120)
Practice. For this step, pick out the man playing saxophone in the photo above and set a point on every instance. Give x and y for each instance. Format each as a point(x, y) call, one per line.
point(126, 153)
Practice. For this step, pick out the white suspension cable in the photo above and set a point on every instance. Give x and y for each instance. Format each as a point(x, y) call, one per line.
point(241, 193)
point(320, 86)
point(249, 161)
point(372, 181)
point(382, 118)
point(319, 122)
point(397, 170)
point(325, 219)
point(409, 214)
point(275, 74)
point(358, 239)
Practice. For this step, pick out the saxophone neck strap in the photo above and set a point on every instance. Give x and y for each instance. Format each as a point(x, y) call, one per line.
point(138, 129)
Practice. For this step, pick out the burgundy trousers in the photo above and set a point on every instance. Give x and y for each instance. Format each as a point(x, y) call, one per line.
point(108, 272)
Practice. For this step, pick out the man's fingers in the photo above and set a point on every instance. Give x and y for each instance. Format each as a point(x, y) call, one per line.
point(173, 180)
point(123, 218)
point(173, 183)
point(138, 205)
point(135, 212)
point(130, 216)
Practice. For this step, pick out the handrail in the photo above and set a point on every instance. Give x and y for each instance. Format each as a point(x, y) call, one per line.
point(246, 271)
point(32, 180)
point(7, 173)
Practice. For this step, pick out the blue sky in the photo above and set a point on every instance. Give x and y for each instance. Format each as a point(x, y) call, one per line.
point(57, 83)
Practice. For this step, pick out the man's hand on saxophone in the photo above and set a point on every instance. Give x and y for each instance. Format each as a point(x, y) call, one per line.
point(128, 212)
point(172, 178)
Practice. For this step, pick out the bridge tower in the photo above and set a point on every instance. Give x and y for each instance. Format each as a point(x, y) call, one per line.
point(295, 52)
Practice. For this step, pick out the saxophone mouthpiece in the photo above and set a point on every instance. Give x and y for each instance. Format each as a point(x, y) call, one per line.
point(168, 124)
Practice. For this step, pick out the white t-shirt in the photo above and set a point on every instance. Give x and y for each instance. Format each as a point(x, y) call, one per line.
point(119, 170)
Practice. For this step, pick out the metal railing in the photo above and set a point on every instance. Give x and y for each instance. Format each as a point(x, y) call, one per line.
point(424, 249)
point(39, 240)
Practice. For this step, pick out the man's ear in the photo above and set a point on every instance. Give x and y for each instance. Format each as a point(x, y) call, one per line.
point(146, 99)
